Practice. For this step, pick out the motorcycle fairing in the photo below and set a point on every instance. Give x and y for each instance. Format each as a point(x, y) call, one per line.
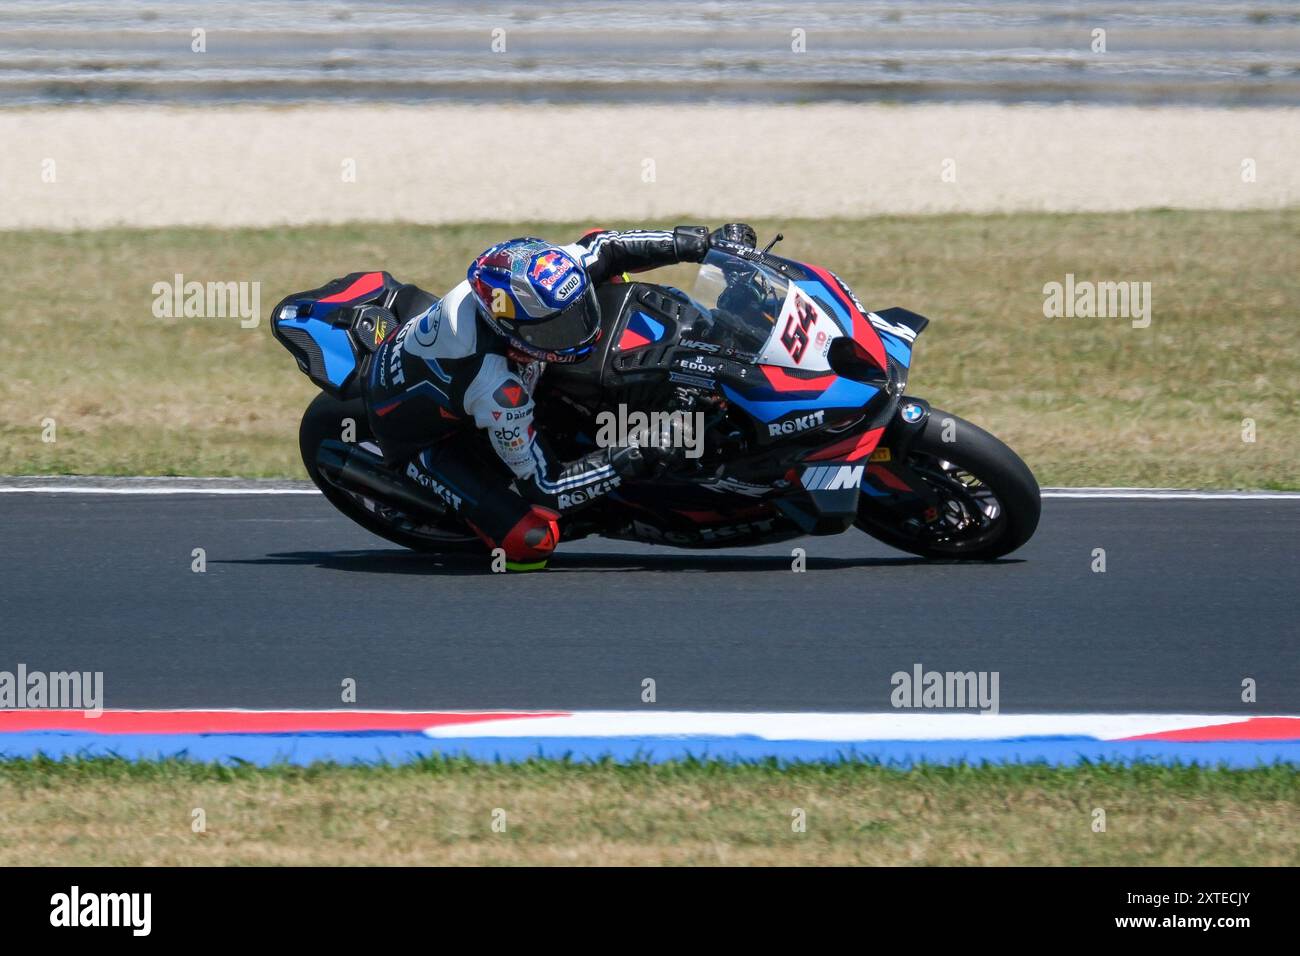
point(898, 329)
point(641, 330)
point(847, 311)
point(687, 516)
point(823, 305)
point(317, 326)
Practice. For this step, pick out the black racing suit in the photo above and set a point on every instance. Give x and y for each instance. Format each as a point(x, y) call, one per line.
point(445, 371)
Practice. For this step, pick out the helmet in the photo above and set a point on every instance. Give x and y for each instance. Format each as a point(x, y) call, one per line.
point(538, 297)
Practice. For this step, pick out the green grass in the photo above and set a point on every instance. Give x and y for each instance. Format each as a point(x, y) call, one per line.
point(441, 811)
point(1085, 401)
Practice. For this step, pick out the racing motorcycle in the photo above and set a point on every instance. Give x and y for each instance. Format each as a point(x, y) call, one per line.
point(798, 393)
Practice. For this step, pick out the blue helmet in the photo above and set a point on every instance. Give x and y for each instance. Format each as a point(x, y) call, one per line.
point(539, 297)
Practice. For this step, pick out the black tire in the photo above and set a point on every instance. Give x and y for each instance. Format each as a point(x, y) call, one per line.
point(982, 475)
point(323, 420)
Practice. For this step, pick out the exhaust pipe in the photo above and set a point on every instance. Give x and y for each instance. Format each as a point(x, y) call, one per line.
point(356, 470)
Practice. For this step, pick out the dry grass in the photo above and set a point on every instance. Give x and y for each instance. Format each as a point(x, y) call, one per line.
point(117, 813)
point(1086, 401)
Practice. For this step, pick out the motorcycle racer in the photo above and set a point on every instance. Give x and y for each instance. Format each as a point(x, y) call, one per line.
point(472, 359)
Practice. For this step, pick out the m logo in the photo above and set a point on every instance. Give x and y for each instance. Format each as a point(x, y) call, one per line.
point(832, 477)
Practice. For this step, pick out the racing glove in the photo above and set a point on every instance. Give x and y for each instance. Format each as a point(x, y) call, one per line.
point(740, 233)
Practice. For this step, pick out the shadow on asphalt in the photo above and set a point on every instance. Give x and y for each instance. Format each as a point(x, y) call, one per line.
point(411, 562)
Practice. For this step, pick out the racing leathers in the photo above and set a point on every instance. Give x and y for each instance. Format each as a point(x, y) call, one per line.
point(444, 371)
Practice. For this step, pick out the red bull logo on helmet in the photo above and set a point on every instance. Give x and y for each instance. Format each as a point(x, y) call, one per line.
point(550, 267)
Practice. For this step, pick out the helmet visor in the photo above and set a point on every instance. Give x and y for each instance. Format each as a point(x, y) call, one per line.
point(571, 328)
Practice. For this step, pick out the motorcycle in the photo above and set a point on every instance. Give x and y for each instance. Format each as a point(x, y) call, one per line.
point(796, 391)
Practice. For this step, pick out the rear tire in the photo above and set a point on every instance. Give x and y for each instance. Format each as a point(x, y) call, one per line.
point(324, 420)
point(991, 500)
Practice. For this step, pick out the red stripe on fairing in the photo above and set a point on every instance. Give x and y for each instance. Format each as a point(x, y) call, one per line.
point(1252, 728)
point(888, 478)
point(631, 340)
point(850, 449)
point(367, 283)
point(783, 381)
point(236, 722)
point(863, 333)
point(701, 516)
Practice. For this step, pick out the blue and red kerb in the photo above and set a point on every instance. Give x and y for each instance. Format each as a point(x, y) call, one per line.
point(361, 737)
point(243, 721)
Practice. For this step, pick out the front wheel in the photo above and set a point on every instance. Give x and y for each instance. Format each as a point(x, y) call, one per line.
point(968, 496)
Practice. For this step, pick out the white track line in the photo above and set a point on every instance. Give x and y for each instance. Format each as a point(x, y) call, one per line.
point(1172, 494)
point(77, 485)
point(845, 727)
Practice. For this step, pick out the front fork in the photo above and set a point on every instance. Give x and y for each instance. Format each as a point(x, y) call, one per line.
point(889, 481)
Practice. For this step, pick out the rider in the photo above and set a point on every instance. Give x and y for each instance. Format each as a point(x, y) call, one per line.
point(474, 357)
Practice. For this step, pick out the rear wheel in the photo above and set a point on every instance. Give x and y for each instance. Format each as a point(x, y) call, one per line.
point(325, 419)
point(978, 500)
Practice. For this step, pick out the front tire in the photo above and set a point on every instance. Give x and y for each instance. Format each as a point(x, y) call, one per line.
point(987, 502)
point(324, 420)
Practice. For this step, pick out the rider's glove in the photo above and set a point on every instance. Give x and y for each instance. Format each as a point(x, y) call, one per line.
point(646, 457)
point(691, 243)
point(741, 233)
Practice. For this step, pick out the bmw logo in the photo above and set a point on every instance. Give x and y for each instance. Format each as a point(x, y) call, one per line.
point(912, 413)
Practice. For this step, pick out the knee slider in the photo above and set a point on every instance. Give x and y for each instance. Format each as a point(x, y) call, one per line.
point(534, 537)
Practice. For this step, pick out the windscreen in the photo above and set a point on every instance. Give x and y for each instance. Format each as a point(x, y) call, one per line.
point(743, 297)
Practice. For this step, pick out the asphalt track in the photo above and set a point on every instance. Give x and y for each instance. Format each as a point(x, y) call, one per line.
point(1197, 595)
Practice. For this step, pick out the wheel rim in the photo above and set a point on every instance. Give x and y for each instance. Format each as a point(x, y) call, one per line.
point(970, 513)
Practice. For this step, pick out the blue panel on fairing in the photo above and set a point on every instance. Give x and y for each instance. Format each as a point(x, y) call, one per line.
point(899, 350)
point(815, 290)
point(844, 393)
point(335, 347)
point(653, 328)
point(896, 347)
